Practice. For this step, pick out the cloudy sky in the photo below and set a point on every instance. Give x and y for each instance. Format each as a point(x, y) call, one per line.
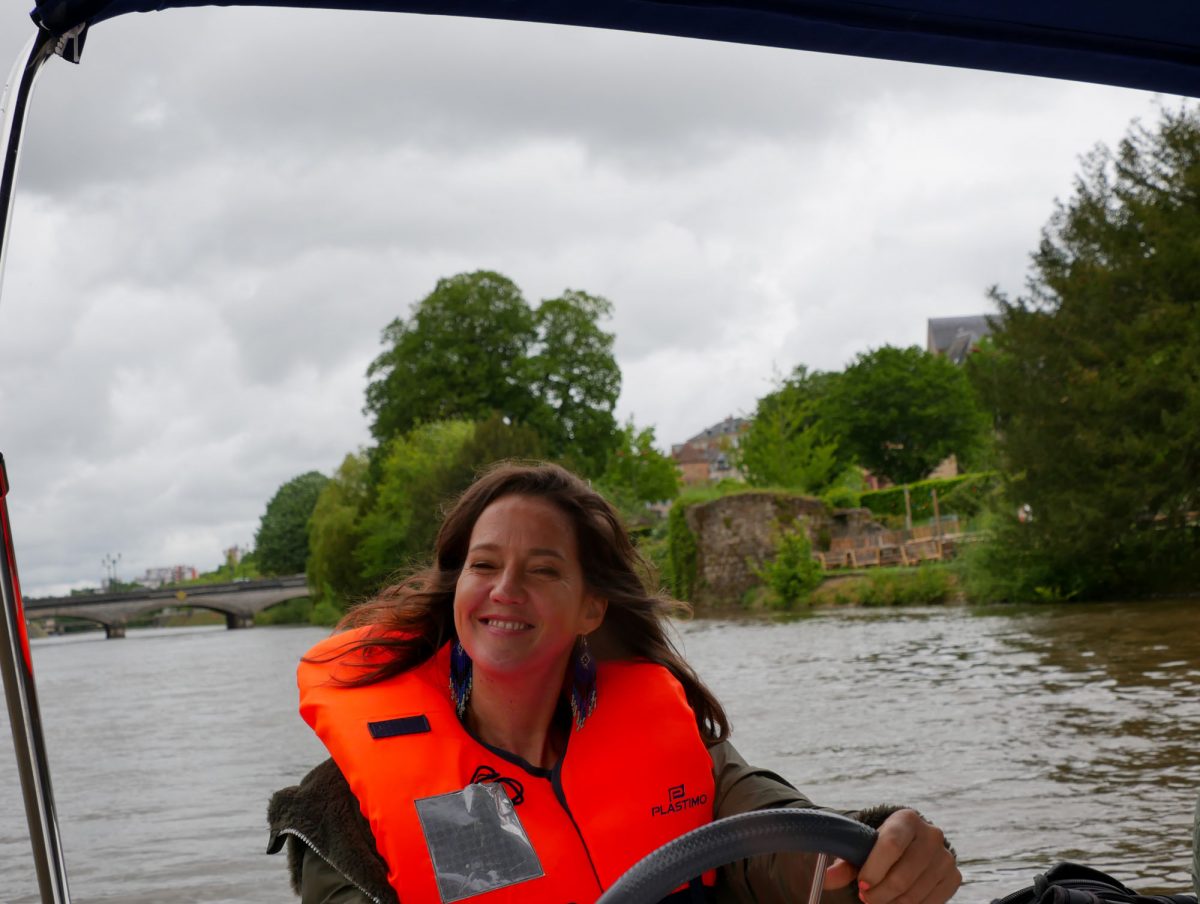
point(219, 210)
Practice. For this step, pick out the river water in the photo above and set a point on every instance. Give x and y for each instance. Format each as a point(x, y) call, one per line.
point(1029, 735)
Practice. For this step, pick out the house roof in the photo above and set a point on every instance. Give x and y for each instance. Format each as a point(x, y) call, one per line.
point(954, 336)
point(731, 426)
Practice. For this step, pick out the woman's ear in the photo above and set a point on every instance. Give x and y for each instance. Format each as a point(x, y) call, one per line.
point(594, 608)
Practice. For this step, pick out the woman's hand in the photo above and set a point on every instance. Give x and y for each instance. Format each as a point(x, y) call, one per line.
point(909, 864)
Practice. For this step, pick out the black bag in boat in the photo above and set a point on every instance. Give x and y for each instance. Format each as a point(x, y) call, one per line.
point(1070, 883)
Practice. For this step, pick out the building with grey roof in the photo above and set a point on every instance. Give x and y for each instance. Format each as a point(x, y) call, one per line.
point(705, 457)
point(954, 337)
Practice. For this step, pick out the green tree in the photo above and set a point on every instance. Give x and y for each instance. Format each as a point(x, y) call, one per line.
point(787, 444)
point(901, 411)
point(281, 543)
point(335, 532)
point(459, 355)
point(637, 473)
point(396, 530)
point(473, 347)
point(575, 380)
point(492, 441)
point(1093, 381)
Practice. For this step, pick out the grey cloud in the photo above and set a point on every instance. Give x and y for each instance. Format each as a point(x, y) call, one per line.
point(220, 209)
point(210, 80)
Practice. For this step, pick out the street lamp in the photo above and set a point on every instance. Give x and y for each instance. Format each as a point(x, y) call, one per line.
point(110, 566)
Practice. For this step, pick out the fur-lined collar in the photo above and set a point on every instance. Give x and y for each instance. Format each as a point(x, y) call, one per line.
point(321, 814)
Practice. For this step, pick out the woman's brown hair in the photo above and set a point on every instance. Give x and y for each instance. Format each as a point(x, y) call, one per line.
point(415, 617)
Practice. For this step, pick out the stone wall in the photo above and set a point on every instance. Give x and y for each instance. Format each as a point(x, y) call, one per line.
point(737, 532)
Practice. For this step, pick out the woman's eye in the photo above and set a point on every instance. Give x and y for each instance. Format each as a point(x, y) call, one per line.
point(546, 570)
point(481, 566)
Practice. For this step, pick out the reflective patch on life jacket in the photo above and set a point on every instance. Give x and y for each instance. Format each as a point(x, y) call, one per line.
point(395, 728)
point(476, 841)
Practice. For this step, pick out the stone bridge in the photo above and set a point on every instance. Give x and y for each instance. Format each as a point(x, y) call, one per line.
point(238, 602)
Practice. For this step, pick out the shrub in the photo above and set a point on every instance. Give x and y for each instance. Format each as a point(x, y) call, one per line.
point(923, 585)
point(793, 573)
point(291, 612)
point(324, 614)
point(842, 498)
point(655, 548)
point(680, 572)
point(963, 495)
point(1004, 569)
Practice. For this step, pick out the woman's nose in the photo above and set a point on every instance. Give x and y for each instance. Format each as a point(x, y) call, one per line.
point(507, 588)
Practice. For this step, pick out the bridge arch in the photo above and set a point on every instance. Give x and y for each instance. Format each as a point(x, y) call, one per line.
point(238, 602)
point(112, 628)
point(235, 617)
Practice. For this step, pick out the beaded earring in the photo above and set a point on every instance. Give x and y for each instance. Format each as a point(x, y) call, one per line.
point(583, 682)
point(460, 678)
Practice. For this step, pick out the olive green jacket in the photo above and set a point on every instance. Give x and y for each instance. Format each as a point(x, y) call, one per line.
point(1196, 850)
point(332, 857)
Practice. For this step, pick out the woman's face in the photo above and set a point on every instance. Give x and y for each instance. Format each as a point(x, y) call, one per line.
point(521, 599)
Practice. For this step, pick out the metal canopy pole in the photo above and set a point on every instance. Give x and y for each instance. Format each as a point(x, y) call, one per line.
point(16, 663)
point(17, 89)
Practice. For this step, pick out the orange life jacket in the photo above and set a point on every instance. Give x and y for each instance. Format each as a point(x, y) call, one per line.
point(636, 776)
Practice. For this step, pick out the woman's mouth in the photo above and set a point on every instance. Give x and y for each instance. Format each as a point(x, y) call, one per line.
point(504, 624)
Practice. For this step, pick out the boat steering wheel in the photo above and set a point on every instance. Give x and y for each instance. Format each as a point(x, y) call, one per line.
point(734, 838)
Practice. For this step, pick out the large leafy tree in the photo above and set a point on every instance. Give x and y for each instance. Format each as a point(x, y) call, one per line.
point(787, 444)
point(281, 543)
point(335, 532)
point(474, 347)
point(901, 411)
point(461, 354)
point(574, 379)
point(1095, 380)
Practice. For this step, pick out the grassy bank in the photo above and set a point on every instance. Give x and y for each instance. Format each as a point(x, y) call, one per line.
point(923, 585)
point(926, 584)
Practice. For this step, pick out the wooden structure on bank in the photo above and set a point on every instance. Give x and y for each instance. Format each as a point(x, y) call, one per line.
point(926, 543)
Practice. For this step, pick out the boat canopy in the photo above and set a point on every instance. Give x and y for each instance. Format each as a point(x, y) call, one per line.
point(1151, 44)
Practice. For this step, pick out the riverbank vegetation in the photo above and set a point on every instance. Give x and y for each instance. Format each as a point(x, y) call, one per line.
point(928, 584)
point(792, 573)
point(291, 612)
point(965, 497)
point(1077, 424)
point(924, 585)
point(897, 412)
point(1092, 379)
point(1089, 390)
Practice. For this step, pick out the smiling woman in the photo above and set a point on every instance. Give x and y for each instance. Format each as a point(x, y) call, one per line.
point(178, 316)
point(520, 606)
point(514, 721)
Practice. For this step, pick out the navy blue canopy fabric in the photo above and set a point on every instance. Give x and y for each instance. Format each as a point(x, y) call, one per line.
point(1150, 44)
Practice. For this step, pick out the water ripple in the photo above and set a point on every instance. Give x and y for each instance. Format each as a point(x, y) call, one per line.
point(1031, 736)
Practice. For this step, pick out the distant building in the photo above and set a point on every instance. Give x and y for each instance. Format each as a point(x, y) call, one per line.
point(706, 456)
point(172, 574)
point(957, 337)
point(692, 464)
